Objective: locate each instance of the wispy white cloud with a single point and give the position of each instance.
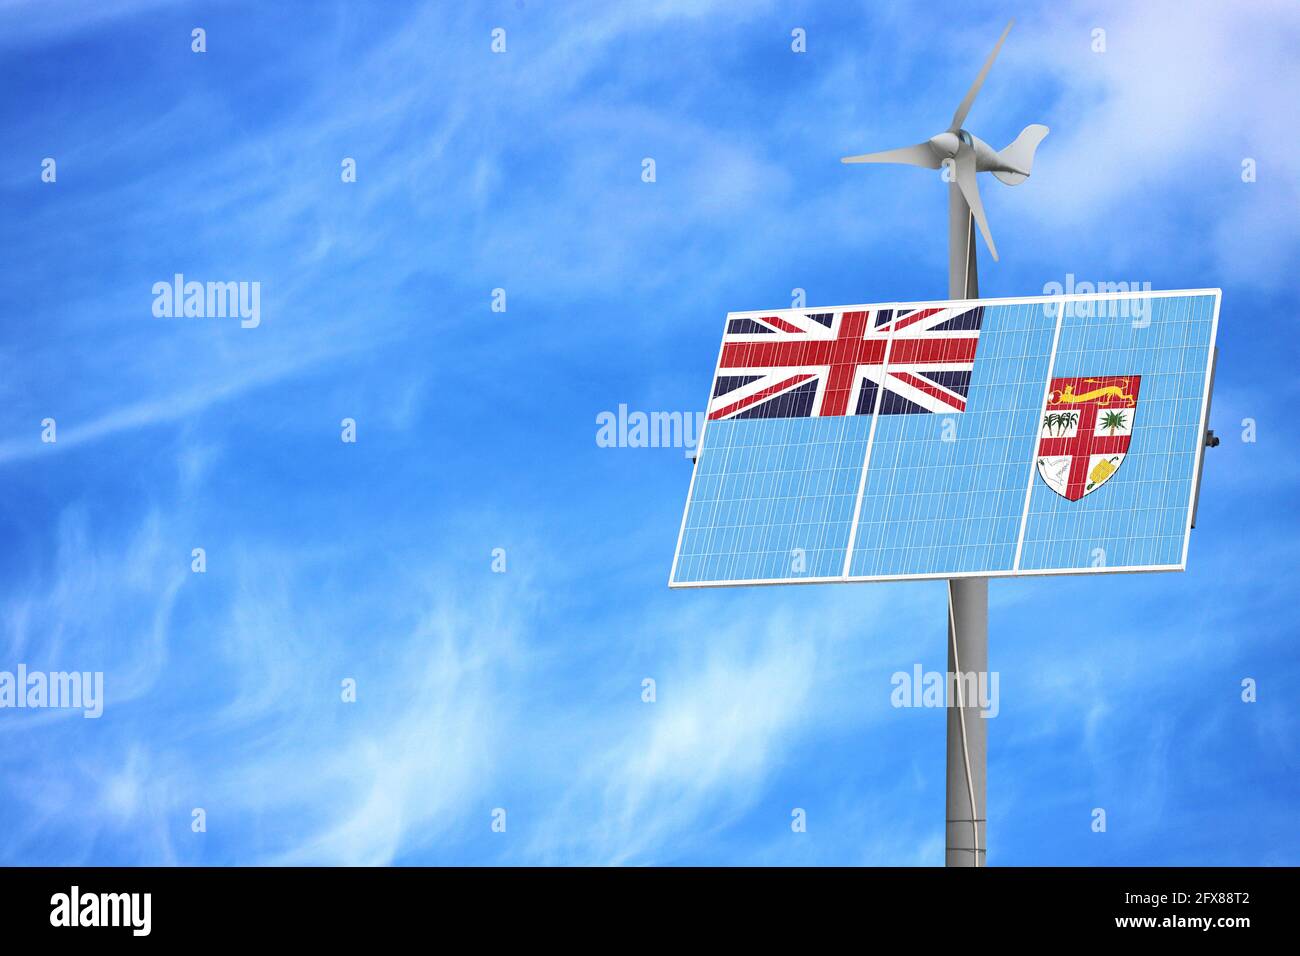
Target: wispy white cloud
(698, 757)
(262, 739)
(417, 755)
(23, 22)
(1179, 98)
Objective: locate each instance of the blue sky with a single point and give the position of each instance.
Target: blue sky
(476, 431)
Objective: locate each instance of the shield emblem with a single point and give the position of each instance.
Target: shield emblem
(1085, 432)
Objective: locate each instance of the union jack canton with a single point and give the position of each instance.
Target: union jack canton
(800, 364)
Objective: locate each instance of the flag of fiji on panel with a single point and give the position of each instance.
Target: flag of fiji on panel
(911, 361)
(1006, 436)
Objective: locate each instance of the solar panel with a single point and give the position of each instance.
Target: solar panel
(986, 437)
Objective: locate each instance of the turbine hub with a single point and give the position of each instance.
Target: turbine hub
(945, 145)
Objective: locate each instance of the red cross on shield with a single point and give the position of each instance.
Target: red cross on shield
(1085, 432)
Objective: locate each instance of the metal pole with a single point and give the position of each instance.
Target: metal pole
(968, 620)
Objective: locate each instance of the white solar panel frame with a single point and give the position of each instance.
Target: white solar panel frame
(1045, 300)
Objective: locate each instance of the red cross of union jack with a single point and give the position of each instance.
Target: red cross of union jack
(799, 364)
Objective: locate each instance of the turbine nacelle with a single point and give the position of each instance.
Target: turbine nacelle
(987, 159)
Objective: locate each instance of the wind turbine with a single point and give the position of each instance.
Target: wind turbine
(968, 155)
(966, 836)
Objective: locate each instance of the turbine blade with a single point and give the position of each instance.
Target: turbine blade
(960, 116)
(966, 182)
(919, 155)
